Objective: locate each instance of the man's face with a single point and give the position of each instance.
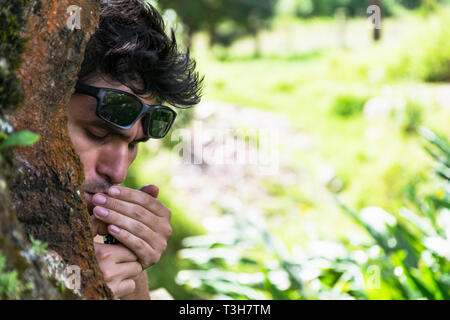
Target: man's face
(105, 151)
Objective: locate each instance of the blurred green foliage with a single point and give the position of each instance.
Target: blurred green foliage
(39, 247)
(21, 138)
(348, 105)
(406, 257)
(223, 20)
(412, 117)
(432, 61)
(310, 8)
(10, 286)
(302, 73)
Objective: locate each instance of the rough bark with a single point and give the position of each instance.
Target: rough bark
(15, 249)
(32, 281)
(46, 188)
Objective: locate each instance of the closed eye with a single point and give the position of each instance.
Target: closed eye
(96, 137)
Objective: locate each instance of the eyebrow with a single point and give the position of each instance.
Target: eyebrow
(116, 131)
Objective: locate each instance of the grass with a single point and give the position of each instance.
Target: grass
(322, 88)
(404, 257)
(306, 87)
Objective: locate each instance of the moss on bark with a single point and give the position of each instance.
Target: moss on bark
(39, 60)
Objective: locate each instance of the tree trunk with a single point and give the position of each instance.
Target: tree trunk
(45, 183)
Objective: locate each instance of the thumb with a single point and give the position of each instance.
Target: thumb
(150, 189)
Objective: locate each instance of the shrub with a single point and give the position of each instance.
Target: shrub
(348, 105)
(405, 257)
(430, 62)
(10, 286)
(413, 117)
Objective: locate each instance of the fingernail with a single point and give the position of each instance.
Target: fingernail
(99, 198)
(114, 191)
(100, 211)
(114, 229)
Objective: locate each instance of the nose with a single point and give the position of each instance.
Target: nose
(113, 164)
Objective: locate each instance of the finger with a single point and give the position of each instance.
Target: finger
(130, 269)
(147, 256)
(122, 271)
(151, 189)
(123, 288)
(127, 195)
(137, 228)
(116, 209)
(120, 253)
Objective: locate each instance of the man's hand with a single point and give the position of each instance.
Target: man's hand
(137, 220)
(119, 266)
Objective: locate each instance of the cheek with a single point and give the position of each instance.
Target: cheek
(84, 149)
(88, 159)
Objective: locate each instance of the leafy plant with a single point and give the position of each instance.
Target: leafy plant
(412, 117)
(348, 105)
(39, 247)
(431, 63)
(10, 286)
(406, 256)
(232, 265)
(415, 242)
(21, 138)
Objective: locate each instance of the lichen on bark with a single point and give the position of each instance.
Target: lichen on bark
(28, 275)
(39, 61)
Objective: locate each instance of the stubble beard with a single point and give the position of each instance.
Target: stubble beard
(92, 187)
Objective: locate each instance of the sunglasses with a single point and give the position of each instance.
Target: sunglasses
(122, 109)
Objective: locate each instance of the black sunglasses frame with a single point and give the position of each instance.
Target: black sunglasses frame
(100, 92)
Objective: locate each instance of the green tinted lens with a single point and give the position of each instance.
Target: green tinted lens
(159, 122)
(120, 108)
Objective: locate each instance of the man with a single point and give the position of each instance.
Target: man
(131, 67)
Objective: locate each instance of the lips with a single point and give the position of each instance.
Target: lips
(88, 195)
(92, 193)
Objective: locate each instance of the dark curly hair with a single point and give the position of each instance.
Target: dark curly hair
(131, 46)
